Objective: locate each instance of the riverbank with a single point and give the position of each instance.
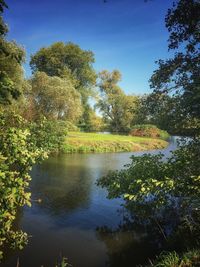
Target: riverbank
(78, 142)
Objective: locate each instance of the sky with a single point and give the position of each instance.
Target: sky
(128, 35)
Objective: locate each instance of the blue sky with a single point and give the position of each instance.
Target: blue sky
(128, 35)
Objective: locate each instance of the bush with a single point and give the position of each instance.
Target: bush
(70, 127)
(22, 144)
(49, 135)
(148, 130)
(166, 191)
(18, 152)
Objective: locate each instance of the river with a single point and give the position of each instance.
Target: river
(70, 219)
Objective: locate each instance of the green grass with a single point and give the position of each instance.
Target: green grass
(92, 142)
(172, 259)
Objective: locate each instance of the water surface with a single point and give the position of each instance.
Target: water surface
(75, 219)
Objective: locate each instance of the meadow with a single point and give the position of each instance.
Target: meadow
(97, 142)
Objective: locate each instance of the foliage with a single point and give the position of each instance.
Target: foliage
(90, 122)
(172, 259)
(71, 63)
(63, 263)
(148, 130)
(3, 27)
(18, 152)
(153, 187)
(70, 127)
(179, 76)
(163, 111)
(67, 61)
(22, 144)
(54, 98)
(117, 108)
(174, 103)
(49, 135)
(96, 123)
(11, 71)
(93, 142)
(7, 89)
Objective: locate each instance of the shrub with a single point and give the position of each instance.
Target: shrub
(49, 135)
(18, 152)
(148, 130)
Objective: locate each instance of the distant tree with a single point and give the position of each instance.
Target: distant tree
(164, 111)
(67, 60)
(118, 109)
(55, 98)
(90, 121)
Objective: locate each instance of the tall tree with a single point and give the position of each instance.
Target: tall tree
(180, 75)
(67, 61)
(11, 58)
(3, 27)
(55, 98)
(118, 109)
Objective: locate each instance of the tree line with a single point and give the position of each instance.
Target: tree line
(64, 83)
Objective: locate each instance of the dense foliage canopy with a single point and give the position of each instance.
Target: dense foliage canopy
(180, 75)
(67, 61)
(55, 98)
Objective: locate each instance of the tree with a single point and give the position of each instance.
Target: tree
(55, 98)
(180, 75)
(3, 27)
(163, 110)
(67, 61)
(11, 58)
(90, 121)
(117, 108)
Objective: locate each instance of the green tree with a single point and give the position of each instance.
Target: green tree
(55, 98)
(90, 121)
(118, 109)
(174, 103)
(162, 110)
(180, 75)
(11, 58)
(3, 27)
(67, 61)
(11, 72)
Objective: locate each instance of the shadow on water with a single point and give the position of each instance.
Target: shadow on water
(76, 220)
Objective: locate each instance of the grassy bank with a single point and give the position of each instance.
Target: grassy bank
(93, 142)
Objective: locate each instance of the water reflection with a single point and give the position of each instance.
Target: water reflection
(127, 248)
(73, 210)
(62, 188)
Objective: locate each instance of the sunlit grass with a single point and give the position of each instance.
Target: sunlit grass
(96, 142)
(172, 259)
